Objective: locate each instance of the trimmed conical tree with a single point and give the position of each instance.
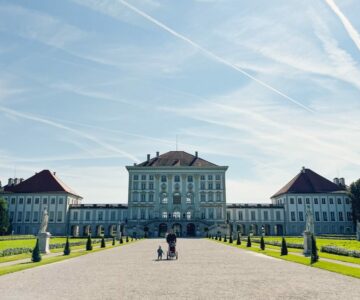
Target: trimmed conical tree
(127, 239)
(314, 250)
(248, 242)
(67, 247)
(225, 240)
(113, 242)
(284, 249)
(121, 241)
(36, 255)
(89, 246)
(238, 241)
(103, 244)
(230, 239)
(262, 243)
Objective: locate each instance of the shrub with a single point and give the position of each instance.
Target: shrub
(238, 241)
(338, 251)
(262, 243)
(230, 239)
(103, 244)
(127, 239)
(36, 256)
(248, 244)
(113, 241)
(67, 247)
(314, 250)
(15, 251)
(121, 240)
(225, 238)
(89, 246)
(284, 250)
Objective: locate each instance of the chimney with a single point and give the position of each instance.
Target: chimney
(303, 170)
(148, 157)
(342, 181)
(16, 181)
(54, 173)
(157, 153)
(336, 181)
(196, 154)
(10, 182)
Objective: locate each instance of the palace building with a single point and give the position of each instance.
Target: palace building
(180, 191)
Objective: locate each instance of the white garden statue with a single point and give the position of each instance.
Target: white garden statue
(43, 235)
(44, 222)
(309, 221)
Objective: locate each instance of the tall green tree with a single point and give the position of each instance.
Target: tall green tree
(4, 217)
(354, 194)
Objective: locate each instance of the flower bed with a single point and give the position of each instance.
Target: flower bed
(340, 251)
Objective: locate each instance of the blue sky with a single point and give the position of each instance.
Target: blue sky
(265, 87)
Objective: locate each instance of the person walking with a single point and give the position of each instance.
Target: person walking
(160, 253)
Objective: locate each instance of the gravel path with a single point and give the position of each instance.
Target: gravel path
(205, 270)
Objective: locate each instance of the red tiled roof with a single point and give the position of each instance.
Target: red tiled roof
(176, 159)
(307, 182)
(41, 182)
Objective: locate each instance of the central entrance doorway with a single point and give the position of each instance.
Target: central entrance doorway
(177, 229)
(190, 229)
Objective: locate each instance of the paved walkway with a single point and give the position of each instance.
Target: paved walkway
(205, 269)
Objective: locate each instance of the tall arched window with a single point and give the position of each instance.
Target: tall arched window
(188, 215)
(176, 215)
(164, 215)
(176, 198)
(189, 198)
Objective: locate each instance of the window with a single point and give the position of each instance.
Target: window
(347, 200)
(188, 198)
(339, 200)
(202, 177)
(211, 197)
(37, 200)
(135, 185)
(210, 177)
(164, 215)
(301, 216)
(59, 216)
(151, 177)
(240, 215)
(143, 177)
(331, 200)
(317, 216)
(316, 201)
(21, 200)
(61, 201)
(27, 216)
(75, 216)
(51, 216)
(332, 216)
(188, 215)
(143, 197)
(177, 178)
(176, 198)
(202, 185)
(218, 196)
(87, 216)
(190, 179)
(11, 216)
(142, 214)
(218, 186)
(163, 178)
(325, 218)
(292, 201)
(266, 215)
(100, 216)
(28, 201)
(202, 197)
(307, 200)
(13, 201)
(349, 216)
(151, 185)
(136, 177)
(52, 200)
(19, 216)
(211, 213)
(292, 216)
(176, 215)
(164, 200)
(210, 186)
(143, 185)
(217, 177)
(151, 197)
(113, 215)
(135, 197)
(278, 216)
(299, 201)
(202, 214)
(323, 201)
(253, 216)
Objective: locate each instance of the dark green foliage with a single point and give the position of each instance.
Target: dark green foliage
(113, 242)
(103, 244)
(36, 256)
(314, 250)
(5, 225)
(284, 249)
(230, 239)
(354, 194)
(238, 241)
(262, 243)
(89, 246)
(225, 240)
(121, 241)
(67, 247)
(248, 244)
(127, 239)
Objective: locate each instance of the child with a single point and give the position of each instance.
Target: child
(160, 253)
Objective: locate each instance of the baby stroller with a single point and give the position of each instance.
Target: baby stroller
(172, 253)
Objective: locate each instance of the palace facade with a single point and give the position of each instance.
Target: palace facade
(183, 192)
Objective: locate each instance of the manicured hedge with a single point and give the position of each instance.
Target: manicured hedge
(14, 251)
(16, 237)
(278, 243)
(340, 251)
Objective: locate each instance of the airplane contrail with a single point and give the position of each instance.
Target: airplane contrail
(212, 55)
(354, 35)
(72, 130)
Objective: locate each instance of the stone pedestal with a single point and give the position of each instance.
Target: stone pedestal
(307, 243)
(44, 242)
